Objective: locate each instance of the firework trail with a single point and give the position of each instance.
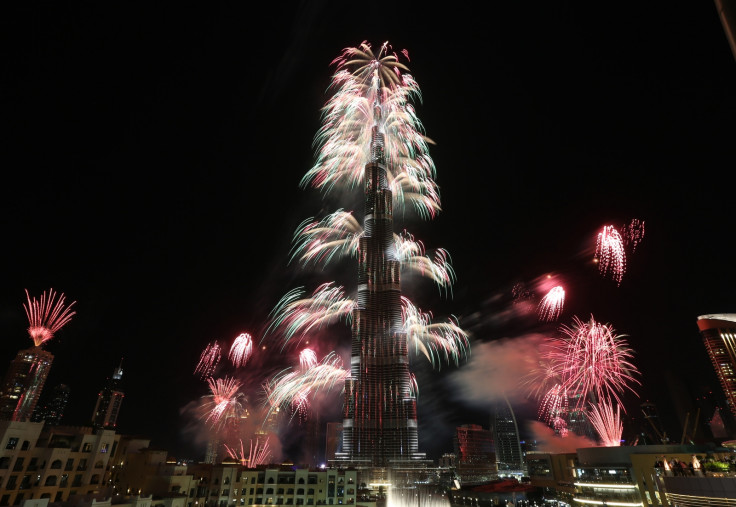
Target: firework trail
(551, 305)
(208, 360)
(338, 235)
(607, 423)
(47, 316)
(225, 400)
(307, 358)
(611, 254)
(259, 454)
(293, 388)
(331, 238)
(297, 316)
(374, 91)
(633, 233)
(241, 349)
(554, 404)
(595, 361)
(437, 341)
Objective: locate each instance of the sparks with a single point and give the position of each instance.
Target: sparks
(307, 358)
(551, 305)
(607, 423)
(633, 233)
(47, 316)
(259, 453)
(241, 349)
(225, 400)
(208, 360)
(611, 254)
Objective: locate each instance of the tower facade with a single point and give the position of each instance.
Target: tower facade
(475, 454)
(380, 410)
(109, 400)
(506, 437)
(719, 337)
(23, 384)
(51, 410)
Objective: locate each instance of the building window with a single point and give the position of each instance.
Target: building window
(64, 480)
(12, 443)
(25, 446)
(98, 464)
(19, 498)
(50, 480)
(11, 482)
(87, 447)
(95, 479)
(4, 463)
(69, 464)
(4, 500)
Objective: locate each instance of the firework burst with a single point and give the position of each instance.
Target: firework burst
(443, 341)
(307, 358)
(297, 316)
(331, 238)
(374, 91)
(259, 453)
(225, 400)
(208, 360)
(611, 254)
(633, 233)
(47, 316)
(607, 423)
(241, 349)
(551, 305)
(413, 258)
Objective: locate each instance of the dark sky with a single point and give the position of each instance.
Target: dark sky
(152, 157)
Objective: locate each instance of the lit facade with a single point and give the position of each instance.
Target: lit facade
(506, 438)
(51, 411)
(109, 399)
(719, 337)
(23, 384)
(475, 454)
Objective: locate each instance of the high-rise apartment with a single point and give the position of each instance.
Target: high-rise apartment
(52, 406)
(506, 438)
(23, 383)
(719, 337)
(109, 400)
(475, 454)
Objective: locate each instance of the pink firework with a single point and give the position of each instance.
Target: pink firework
(259, 454)
(551, 305)
(633, 233)
(307, 358)
(224, 402)
(594, 362)
(47, 316)
(241, 349)
(208, 360)
(607, 423)
(611, 254)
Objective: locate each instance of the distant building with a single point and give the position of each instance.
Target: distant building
(51, 410)
(109, 400)
(333, 440)
(719, 337)
(23, 383)
(475, 454)
(506, 439)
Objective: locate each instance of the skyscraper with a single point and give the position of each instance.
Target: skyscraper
(475, 452)
(23, 383)
(506, 437)
(719, 337)
(109, 400)
(51, 411)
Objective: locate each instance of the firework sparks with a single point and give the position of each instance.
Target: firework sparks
(633, 233)
(611, 254)
(47, 316)
(374, 91)
(297, 316)
(437, 341)
(241, 349)
(293, 388)
(607, 423)
(208, 360)
(596, 361)
(412, 255)
(307, 358)
(331, 238)
(259, 454)
(551, 305)
(224, 402)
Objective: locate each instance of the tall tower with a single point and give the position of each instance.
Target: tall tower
(719, 337)
(109, 400)
(23, 383)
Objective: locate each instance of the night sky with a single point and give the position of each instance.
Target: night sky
(152, 157)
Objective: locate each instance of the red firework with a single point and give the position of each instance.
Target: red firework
(611, 254)
(551, 305)
(241, 349)
(208, 360)
(47, 316)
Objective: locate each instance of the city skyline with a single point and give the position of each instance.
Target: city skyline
(158, 157)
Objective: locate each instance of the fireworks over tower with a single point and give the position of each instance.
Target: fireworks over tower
(371, 140)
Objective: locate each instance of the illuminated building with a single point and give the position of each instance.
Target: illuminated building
(333, 440)
(380, 408)
(475, 454)
(719, 337)
(506, 439)
(52, 410)
(23, 384)
(109, 400)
